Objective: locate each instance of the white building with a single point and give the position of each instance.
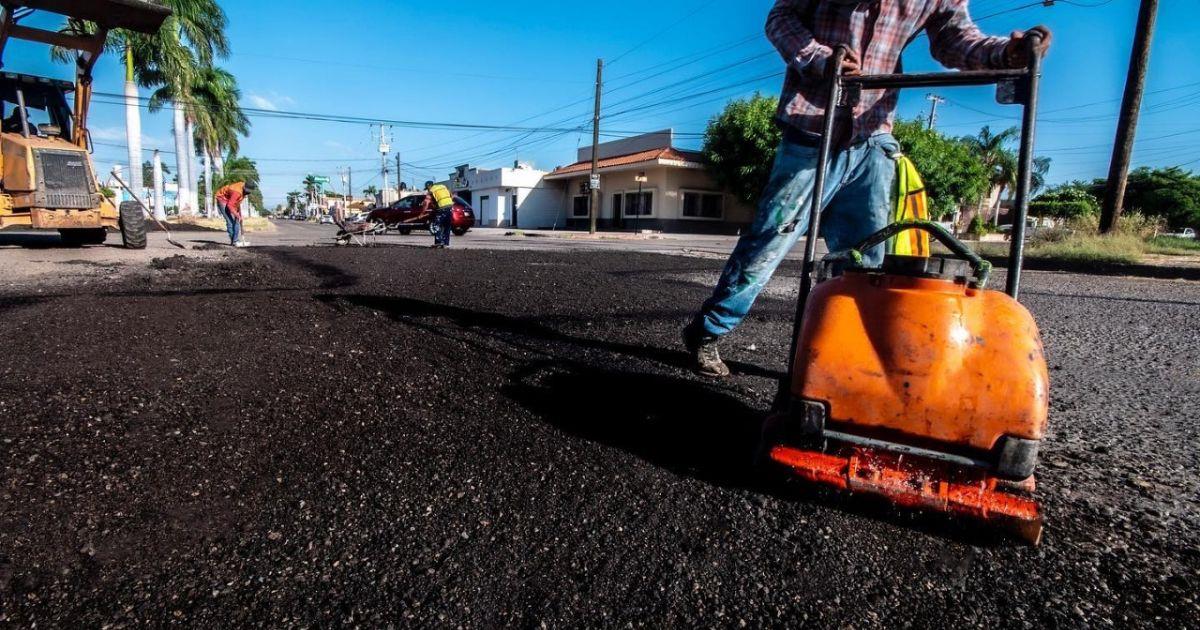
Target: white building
(515, 197)
(647, 183)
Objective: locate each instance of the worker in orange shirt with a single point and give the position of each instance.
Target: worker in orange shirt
(229, 201)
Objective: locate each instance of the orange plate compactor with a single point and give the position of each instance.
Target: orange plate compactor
(913, 381)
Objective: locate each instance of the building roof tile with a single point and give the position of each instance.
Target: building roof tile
(669, 154)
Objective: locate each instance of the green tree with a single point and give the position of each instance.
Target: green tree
(237, 169)
(370, 191)
(148, 173)
(1041, 167)
(740, 144)
(293, 200)
(311, 188)
(1000, 162)
(1066, 201)
(952, 173)
(1170, 193)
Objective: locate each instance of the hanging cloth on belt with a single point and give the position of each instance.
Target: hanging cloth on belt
(911, 205)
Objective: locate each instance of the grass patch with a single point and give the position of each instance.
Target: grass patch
(249, 224)
(1173, 246)
(1117, 249)
(1079, 249)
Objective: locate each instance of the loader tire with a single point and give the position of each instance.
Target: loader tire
(133, 225)
(84, 236)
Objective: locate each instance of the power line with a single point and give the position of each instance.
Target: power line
(663, 30)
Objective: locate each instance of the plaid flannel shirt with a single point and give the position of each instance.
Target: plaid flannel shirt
(805, 32)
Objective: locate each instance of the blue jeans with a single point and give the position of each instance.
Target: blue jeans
(858, 200)
(232, 225)
(443, 225)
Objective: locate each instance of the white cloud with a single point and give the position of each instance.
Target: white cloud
(272, 102)
(116, 135)
(108, 134)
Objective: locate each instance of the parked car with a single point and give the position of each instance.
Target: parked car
(406, 215)
(326, 219)
(1031, 228)
(1187, 233)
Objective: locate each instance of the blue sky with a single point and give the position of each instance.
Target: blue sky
(503, 62)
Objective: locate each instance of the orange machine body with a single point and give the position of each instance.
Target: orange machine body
(930, 362)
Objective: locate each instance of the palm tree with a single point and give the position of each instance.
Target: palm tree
(311, 187)
(370, 191)
(1041, 166)
(216, 115)
(293, 198)
(1000, 162)
(188, 40)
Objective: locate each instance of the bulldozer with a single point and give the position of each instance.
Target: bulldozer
(47, 177)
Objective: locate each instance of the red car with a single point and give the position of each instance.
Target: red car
(406, 215)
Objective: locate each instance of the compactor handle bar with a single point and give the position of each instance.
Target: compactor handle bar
(981, 267)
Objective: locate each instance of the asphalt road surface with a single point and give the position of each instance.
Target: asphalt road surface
(481, 438)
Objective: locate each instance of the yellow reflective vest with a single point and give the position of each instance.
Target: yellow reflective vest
(441, 196)
(911, 205)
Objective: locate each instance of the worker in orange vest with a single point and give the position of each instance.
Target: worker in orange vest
(229, 202)
(439, 199)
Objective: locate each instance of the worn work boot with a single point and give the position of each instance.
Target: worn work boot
(706, 359)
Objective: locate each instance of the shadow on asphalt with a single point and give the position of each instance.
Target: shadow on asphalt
(686, 426)
(34, 240)
(680, 424)
(331, 277)
(409, 310)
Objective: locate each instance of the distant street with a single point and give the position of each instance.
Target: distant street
(39, 256)
(484, 437)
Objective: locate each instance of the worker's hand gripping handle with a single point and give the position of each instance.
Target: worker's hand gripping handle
(981, 267)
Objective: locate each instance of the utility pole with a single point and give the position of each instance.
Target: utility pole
(594, 181)
(384, 147)
(399, 179)
(934, 100)
(1135, 84)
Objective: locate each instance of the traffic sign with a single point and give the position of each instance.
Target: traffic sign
(594, 182)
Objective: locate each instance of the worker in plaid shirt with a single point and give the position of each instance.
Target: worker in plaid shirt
(862, 167)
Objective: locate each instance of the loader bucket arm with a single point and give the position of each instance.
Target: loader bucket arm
(142, 16)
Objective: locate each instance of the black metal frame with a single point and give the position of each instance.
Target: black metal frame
(1014, 87)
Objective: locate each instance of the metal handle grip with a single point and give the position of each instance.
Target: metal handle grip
(981, 267)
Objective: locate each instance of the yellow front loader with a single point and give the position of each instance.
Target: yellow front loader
(47, 178)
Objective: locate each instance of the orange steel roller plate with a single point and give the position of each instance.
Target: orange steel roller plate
(924, 485)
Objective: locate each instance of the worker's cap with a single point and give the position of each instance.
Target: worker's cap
(251, 186)
(429, 184)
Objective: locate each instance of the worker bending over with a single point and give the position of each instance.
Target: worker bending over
(862, 166)
(441, 202)
(229, 202)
